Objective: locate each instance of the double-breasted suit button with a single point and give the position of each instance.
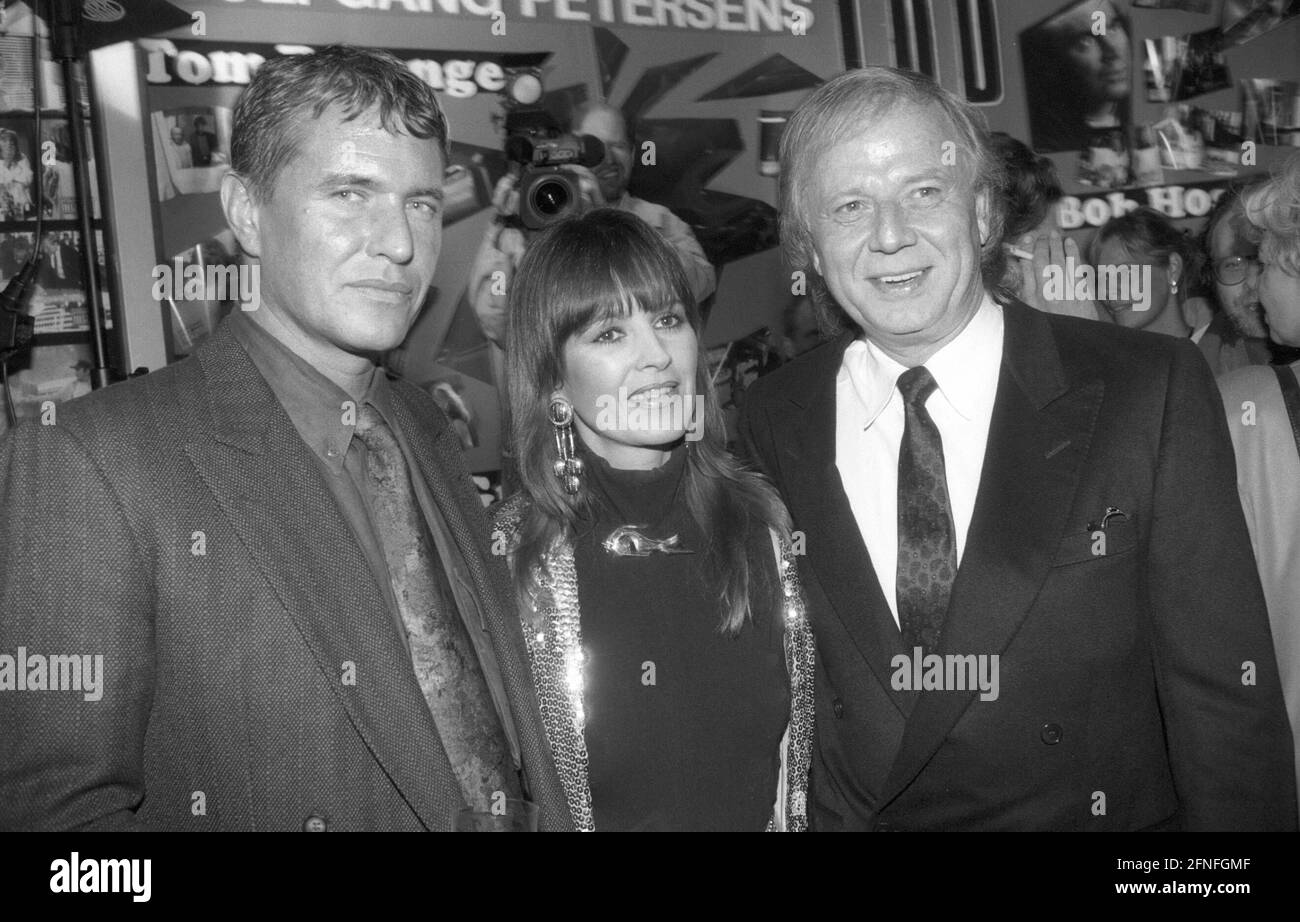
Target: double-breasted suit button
(1050, 734)
(837, 706)
(315, 823)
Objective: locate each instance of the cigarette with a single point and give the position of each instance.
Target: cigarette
(1016, 251)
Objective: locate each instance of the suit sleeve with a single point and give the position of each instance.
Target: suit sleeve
(753, 436)
(72, 582)
(1227, 732)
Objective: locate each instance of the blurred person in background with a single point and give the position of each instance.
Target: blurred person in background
(1263, 410)
(1032, 237)
(1229, 246)
(1166, 258)
(605, 185)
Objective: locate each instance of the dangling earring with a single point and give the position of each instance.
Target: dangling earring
(568, 467)
(1173, 286)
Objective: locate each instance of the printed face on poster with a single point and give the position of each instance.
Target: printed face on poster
(18, 194)
(58, 300)
(1077, 65)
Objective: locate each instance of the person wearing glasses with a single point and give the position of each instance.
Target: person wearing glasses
(1236, 336)
(1263, 409)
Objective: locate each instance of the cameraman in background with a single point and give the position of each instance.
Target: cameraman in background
(605, 185)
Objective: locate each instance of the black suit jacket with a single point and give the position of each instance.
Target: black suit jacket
(177, 525)
(1122, 703)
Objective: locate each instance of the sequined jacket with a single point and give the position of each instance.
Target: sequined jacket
(555, 655)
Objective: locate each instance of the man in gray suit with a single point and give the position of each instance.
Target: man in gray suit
(253, 590)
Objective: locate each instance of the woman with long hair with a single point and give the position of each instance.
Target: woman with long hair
(654, 573)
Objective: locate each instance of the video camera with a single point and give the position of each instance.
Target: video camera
(547, 192)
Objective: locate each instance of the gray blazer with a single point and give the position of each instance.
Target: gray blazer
(177, 526)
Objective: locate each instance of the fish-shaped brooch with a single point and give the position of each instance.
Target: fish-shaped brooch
(627, 541)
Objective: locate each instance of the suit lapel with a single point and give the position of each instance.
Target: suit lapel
(836, 553)
(1039, 435)
(268, 485)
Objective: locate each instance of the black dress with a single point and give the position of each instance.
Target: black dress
(683, 722)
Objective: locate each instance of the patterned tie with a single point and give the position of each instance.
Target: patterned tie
(442, 653)
(927, 555)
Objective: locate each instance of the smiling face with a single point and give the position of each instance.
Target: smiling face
(649, 356)
(349, 238)
(1128, 312)
(897, 232)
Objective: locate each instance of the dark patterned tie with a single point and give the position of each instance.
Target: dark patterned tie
(442, 653)
(927, 551)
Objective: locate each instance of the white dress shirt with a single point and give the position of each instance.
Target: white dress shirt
(869, 429)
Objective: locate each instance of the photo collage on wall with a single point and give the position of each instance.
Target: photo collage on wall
(1077, 69)
(1077, 64)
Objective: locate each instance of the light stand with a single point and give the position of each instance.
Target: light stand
(65, 47)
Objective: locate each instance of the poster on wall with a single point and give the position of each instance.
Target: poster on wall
(58, 300)
(694, 93)
(1076, 64)
(19, 194)
(1179, 68)
(50, 376)
(1243, 20)
(191, 149)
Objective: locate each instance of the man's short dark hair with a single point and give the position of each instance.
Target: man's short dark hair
(289, 90)
(1032, 186)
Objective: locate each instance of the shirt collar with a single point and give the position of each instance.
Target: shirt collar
(965, 369)
(317, 407)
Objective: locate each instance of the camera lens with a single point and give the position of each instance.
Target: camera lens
(551, 198)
